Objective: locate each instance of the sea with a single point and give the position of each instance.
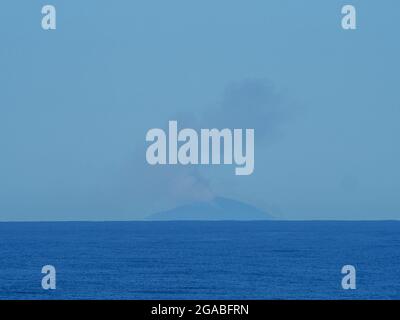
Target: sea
(200, 260)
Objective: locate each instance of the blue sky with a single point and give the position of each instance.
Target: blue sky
(76, 103)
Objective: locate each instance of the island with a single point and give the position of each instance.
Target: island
(217, 209)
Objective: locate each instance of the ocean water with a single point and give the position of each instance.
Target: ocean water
(200, 260)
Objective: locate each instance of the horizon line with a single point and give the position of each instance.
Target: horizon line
(198, 220)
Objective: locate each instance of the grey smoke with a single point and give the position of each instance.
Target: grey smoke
(253, 103)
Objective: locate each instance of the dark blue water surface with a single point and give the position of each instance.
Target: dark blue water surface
(200, 260)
